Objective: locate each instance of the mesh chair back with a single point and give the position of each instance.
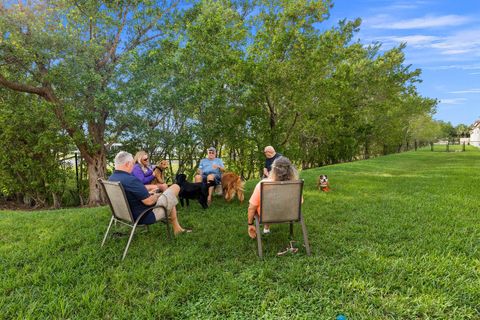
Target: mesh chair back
(118, 200)
(280, 201)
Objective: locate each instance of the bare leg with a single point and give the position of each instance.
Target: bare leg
(177, 228)
(173, 217)
(162, 186)
(198, 178)
(210, 177)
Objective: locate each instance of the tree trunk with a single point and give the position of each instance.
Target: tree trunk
(57, 200)
(96, 167)
(366, 152)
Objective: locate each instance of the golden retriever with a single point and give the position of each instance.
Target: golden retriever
(232, 184)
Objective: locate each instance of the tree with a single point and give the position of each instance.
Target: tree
(70, 54)
(31, 147)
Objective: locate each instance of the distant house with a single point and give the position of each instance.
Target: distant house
(475, 134)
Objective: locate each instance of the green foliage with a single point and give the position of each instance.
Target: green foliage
(174, 78)
(31, 147)
(396, 238)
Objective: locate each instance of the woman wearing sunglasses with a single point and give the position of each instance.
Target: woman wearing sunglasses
(144, 173)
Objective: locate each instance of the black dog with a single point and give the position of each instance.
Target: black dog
(190, 190)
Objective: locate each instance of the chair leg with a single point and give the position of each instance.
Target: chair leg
(108, 229)
(129, 240)
(291, 230)
(259, 237)
(305, 235)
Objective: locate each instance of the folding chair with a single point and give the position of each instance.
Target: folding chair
(281, 202)
(121, 211)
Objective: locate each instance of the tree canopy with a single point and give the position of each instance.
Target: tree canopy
(175, 77)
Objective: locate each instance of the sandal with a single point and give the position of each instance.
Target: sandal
(186, 230)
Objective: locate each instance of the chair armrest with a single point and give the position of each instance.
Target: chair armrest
(140, 216)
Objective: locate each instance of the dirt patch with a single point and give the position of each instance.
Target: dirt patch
(12, 205)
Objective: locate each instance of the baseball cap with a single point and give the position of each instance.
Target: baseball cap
(212, 149)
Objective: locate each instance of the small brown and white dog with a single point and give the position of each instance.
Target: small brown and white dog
(232, 184)
(322, 183)
(160, 172)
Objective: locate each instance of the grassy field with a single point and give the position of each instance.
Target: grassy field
(397, 238)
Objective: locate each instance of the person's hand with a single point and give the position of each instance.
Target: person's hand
(252, 232)
(214, 166)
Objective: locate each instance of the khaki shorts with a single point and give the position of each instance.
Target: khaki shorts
(168, 200)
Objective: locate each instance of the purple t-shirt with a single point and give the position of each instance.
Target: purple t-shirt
(146, 177)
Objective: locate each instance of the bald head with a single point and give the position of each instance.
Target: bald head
(269, 149)
(269, 152)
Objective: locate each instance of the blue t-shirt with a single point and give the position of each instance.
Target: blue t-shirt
(206, 165)
(135, 192)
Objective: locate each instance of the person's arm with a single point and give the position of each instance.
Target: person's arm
(221, 166)
(152, 199)
(200, 168)
(254, 203)
(252, 210)
(138, 189)
(140, 175)
(265, 172)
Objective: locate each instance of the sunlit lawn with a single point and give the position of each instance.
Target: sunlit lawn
(397, 238)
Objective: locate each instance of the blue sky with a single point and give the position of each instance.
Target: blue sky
(443, 39)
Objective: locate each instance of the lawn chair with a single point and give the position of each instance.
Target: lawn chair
(121, 210)
(280, 202)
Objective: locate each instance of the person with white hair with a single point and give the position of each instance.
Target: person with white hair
(140, 199)
(282, 170)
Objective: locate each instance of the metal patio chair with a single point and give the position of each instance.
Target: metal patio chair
(121, 211)
(281, 202)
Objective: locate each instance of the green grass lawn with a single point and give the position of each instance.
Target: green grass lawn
(397, 238)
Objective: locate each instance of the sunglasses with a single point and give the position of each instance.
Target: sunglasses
(211, 151)
(144, 159)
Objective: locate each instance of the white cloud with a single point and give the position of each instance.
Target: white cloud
(428, 21)
(453, 101)
(475, 90)
(464, 41)
(419, 41)
(401, 6)
(456, 66)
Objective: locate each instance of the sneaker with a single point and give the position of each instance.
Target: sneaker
(266, 231)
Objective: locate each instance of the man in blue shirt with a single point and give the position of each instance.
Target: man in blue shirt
(210, 171)
(140, 199)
